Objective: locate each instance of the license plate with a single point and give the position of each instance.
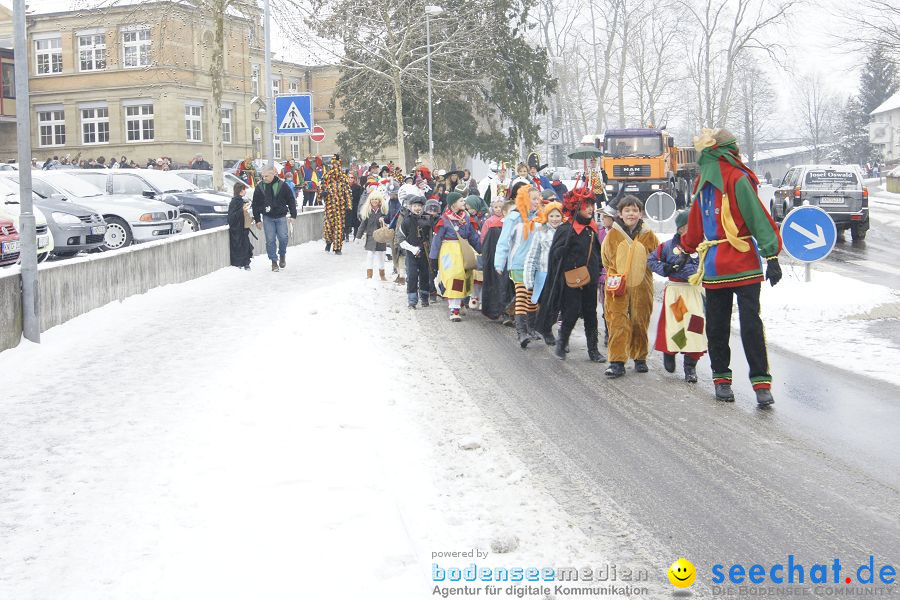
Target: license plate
(43, 240)
(98, 230)
(631, 188)
(831, 200)
(10, 247)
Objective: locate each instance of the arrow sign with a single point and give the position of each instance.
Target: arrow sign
(293, 114)
(808, 233)
(818, 238)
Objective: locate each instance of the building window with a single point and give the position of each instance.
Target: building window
(92, 52)
(254, 80)
(52, 127)
(139, 123)
(293, 87)
(295, 146)
(275, 88)
(9, 80)
(95, 125)
(48, 54)
(193, 123)
(276, 147)
(136, 48)
(226, 125)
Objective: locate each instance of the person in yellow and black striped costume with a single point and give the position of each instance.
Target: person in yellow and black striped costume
(336, 187)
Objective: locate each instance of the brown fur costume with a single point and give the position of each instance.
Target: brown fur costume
(628, 316)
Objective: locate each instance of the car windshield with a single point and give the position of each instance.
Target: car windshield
(70, 185)
(638, 145)
(830, 179)
(167, 183)
(9, 188)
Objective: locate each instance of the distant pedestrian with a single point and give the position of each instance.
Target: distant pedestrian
(239, 223)
(272, 202)
(356, 190)
(199, 163)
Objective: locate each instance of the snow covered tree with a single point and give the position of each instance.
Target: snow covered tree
(853, 145)
(878, 81)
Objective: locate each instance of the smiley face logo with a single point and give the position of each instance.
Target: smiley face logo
(682, 573)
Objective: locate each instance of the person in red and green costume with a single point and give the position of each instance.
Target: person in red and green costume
(733, 234)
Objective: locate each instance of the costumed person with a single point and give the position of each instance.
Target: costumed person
(607, 218)
(456, 262)
(629, 287)
(246, 172)
(548, 221)
(497, 290)
(312, 178)
(414, 235)
(573, 270)
(291, 175)
(495, 219)
(336, 188)
(540, 182)
(512, 248)
(239, 223)
(356, 192)
(372, 215)
(730, 230)
(395, 217)
(476, 208)
(675, 333)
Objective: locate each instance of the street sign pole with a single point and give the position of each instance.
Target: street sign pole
(269, 130)
(31, 326)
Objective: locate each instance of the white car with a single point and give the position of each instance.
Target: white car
(204, 180)
(10, 209)
(129, 219)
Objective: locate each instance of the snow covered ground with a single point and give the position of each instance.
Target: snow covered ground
(258, 435)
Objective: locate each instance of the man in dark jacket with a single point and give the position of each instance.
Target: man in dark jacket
(272, 201)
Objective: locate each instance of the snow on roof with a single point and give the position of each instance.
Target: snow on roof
(778, 152)
(891, 103)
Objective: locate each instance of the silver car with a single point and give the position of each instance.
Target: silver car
(836, 189)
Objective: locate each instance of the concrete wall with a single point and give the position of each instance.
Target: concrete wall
(73, 287)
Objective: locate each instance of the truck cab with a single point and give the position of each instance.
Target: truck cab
(642, 161)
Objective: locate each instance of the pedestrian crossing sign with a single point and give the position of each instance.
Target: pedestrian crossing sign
(293, 114)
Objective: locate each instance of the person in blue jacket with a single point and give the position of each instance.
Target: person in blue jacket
(454, 279)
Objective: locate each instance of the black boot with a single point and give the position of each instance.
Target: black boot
(424, 297)
(522, 331)
(561, 343)
(530, 320)
(764, 397)
(327, 246)
(640, 366)
(669, 363)
(594, 353)
(690, 369)
(724, 393)
(615, 369)
(548, 338)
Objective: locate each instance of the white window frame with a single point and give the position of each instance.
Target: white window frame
(193, 122)
(275, 87)
(254, 80)
(52, 53)
(96, 51)
(276, 147)
(141, 119)
(295, 147)
(56, 123)
(143, 59)
(293, 87)
(94, 122)
(227, 124)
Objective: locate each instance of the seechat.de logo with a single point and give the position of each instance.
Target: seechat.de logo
(682, 573)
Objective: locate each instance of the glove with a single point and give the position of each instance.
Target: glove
(773, 271)
(668, 269)
(680, 259)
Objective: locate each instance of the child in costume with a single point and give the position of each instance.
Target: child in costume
(681, 328)
(372, 217)
(414, 234)
(625, 251)
(548, 220)
(454, 280)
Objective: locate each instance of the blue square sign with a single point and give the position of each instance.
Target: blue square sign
(293, 114)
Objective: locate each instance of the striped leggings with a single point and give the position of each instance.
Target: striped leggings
(523, 300)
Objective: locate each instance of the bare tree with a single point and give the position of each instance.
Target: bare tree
(598, 45)
(817, 112)
(755, 105)
(654, 66)
(722, 32)
(871, 23)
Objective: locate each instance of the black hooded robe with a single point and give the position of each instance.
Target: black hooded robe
(497, 290)
(238, 236)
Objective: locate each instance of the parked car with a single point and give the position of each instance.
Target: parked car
(74, 227)
(199, 209)
(9, 242)
(10, 209)
(129, 219)
(836, 189)
(204, 181)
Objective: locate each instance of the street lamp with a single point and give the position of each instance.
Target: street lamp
(430, 11)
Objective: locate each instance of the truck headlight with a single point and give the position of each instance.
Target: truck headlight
(220, 208)
(65, 218)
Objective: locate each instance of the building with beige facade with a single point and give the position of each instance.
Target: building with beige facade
(134, 81)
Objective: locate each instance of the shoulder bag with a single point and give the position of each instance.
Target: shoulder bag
(580, 276)
(615, 282)
(470, 259)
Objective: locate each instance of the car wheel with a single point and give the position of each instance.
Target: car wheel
(118, 234)
(191, 222)
(42, 257)
(857, 233)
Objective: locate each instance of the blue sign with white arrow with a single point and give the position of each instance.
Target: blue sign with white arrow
(808, 233)
(293, 114)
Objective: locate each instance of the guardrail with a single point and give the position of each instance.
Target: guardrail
(73, 287)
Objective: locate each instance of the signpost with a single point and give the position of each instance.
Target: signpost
(660, 207)
(809, 235)
(293, 114)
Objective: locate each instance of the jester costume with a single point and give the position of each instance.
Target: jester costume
(336, 187)
(311, 176)
(291, 175)
(246, 172)
(730, 229)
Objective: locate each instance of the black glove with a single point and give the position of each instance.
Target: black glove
(680, 259)
(667, 269)
(773, 271)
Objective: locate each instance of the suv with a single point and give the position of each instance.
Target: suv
(836, 189)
